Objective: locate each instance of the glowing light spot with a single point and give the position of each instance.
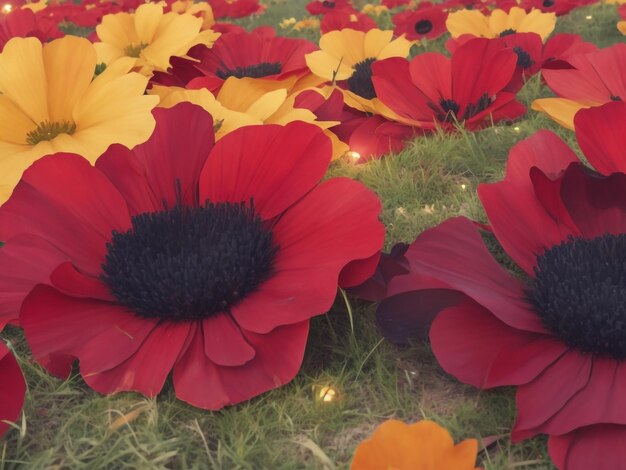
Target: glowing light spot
(327, 394)
(356, 156)
(7, 8)
(463, 187)
(588, 17)
(517, 129)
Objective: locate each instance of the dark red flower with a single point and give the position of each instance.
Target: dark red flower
(342, 19)
(12, 388)
(235, 8)
(395, 3)
(23, 24)
(561, 47)
(565, 323)
(597, 77)
(622, 11)
(183, 255)
(319, 7)
(432, 90)
(559, 7)
(427, 21)
(258, 54)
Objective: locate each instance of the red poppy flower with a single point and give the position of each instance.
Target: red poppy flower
(12, 388)
(597, 77)
(235, 8)
(394, 3)
(23, 24)
(182, 255)
(622, 11)
(319, 7)
(342, 19)
(432, 90)
(559, 7)
(258, 54)
(427, 21)
(565, 226)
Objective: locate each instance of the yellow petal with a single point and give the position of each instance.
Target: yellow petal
(146, 20)
(70, 63)
(346, 44)
(468, 22)
(374, 41)
(23, 77)
(118, 30)
(327, 66)
(14, 124)
(560, 110)
(537, 22)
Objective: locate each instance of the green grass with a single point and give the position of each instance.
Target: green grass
(66, 425)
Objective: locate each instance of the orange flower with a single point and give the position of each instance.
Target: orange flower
(420, 446)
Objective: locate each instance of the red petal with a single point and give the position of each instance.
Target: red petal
(477, 348)
(201, 383)
(601, 136)
(56, 325)
(545, 397)
(66, 201)
(274, 165)
(454, 253)
(334, 224)
(224, 343)
(519, 220)
(599, 447)
(67, 279)
(25, 261)
(12, 388)
(146, 370)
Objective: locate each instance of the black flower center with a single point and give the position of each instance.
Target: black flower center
(615, 98)
(328, 4)
(423, 27)
(548, 3)
(579, 292)
(188, 263)
(523, 58)
(360, 82)
(507, 32)
(448, 109)
(263, 69)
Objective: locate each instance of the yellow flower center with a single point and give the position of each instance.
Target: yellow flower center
(135, 50)
(48, 130)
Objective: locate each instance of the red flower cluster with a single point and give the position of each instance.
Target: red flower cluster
(564, 226)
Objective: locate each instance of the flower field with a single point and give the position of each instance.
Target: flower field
(313, 234)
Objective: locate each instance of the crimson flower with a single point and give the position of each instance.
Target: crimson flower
(427, 21)
(319, 7)
(235, 8)
(432, 90)
(559, 334)
(24, 24)
(258, 54)
(559, 7)
(183, 255)
(12, 388)
(342, 19)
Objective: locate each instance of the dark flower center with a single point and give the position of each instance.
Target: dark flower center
(548, 3)
(579, 292)
(523, 58)
(263, 69)
(360, 82)
(328, 4)
(507, 32)
(49, 130)
(188, 263)
(448, 110)
(616, 98)
(423, 27)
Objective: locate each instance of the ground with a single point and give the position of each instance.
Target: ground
(66, 425)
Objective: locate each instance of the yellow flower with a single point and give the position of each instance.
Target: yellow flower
(561, 110)
(247, 101)
(621, 27)
(50, 102)
(287, 22)
(201, 9)
(307, 23)
(500, 23)
(420, 446)
(150, 37)
(377, 10)
(347, 56)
